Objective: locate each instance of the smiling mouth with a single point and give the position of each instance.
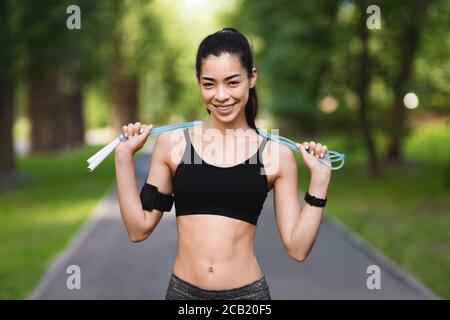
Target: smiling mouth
(225, 108)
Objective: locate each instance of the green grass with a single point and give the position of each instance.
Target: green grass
(40, 216)
(406, 213)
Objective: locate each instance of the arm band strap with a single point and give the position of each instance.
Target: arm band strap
(151, 199)
(314, 201)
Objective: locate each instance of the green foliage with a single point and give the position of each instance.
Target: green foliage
(312, 49)
(297, 41)
(44, 41)
(96, 107)
(43, 213)
(6, 41)
(430, 144)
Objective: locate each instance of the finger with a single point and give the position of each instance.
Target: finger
(302, 148)
(143, 136)
(306, 146)
(146, 131)
(130, 130)
(124, 130)
(324, 151)
(136, 128)
(318, 150)
(312, 146)
(143, 129)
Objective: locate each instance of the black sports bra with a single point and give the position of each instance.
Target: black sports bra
(237, 192)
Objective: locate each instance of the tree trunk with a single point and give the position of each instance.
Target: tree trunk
(409, 45)
(46, 115)
(72, 100)
(362, 92)
(331, 10)
(125, 98)
(55, 112)
(74, 119)
(7, 163)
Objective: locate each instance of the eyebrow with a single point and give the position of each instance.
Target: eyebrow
(227, 78)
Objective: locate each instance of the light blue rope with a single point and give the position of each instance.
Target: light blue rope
(331, 155)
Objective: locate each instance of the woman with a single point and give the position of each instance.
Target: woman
(217, 206)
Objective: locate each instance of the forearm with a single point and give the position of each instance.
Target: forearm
(131, 209)
(307, 225)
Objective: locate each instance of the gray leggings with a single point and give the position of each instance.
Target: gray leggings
(181, 290)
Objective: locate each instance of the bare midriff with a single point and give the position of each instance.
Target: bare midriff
(215, 252)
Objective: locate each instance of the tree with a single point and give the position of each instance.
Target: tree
(55, 64)
(297, 38)
(135, 38)
(7, 164)
(45, 54)
(410, 18)
(362, 90)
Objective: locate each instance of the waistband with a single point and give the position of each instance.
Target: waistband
(181, 289)
(257, 284)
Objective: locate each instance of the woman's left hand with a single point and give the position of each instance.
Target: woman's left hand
(311, 157)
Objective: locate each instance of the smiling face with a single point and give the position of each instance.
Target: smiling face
(224, 86)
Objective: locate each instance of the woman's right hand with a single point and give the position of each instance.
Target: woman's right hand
(137, 135)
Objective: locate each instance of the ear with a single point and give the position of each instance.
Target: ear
(253, 78)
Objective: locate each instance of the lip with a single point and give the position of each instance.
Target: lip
(225, 112)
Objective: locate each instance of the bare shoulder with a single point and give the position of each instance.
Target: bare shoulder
(286, 154)
(167, 140)
(170, 145)
(281, 159)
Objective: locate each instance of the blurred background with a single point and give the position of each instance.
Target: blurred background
(379, 95)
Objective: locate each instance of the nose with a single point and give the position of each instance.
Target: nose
(221, 94)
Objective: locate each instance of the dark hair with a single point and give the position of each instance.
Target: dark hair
(230, 40)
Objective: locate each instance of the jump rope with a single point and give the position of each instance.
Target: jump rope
(96, 159)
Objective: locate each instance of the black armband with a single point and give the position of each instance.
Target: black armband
(151, 198)
(314, 201)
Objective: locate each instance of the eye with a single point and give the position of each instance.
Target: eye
(207, 85)
(234, 83)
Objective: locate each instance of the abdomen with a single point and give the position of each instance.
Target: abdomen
(215, 252)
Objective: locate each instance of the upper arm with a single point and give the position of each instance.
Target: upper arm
(159, 175)
(159, 172)
(286, 196)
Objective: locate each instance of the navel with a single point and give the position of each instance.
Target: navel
(211, 269)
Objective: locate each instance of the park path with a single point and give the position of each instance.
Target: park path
(114, 268)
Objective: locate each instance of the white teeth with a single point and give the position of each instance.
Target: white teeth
(225, 108)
